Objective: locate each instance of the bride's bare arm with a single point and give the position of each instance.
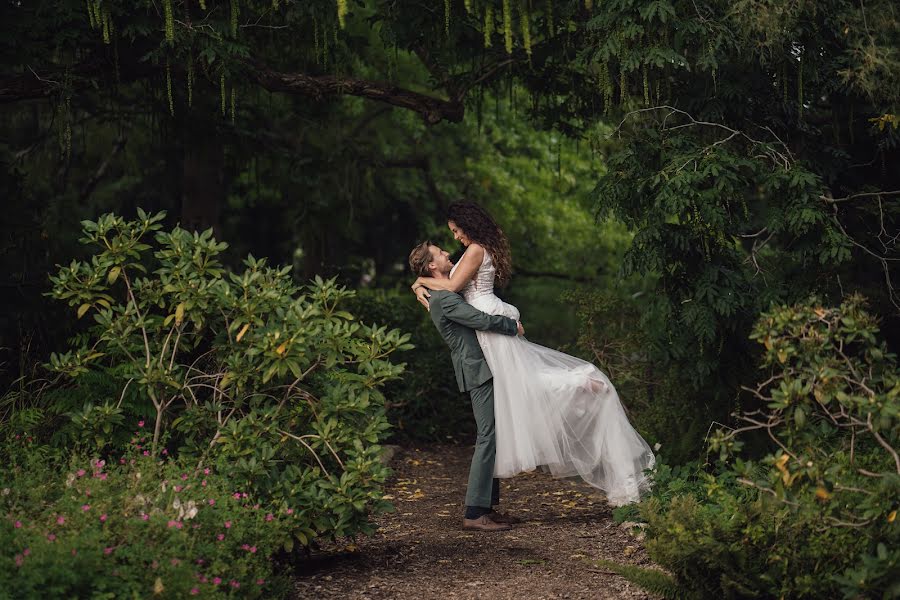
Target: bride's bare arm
(465, 271)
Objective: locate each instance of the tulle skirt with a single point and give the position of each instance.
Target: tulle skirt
(561, 413)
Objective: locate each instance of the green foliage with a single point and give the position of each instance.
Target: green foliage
(652, 580)
(281, 389)
(616, 329)
(816, 515)
(144, 528)
(425, 404)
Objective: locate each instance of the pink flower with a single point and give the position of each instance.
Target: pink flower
(175, 524)
(206, 471)
(81, 472)
(122, 461)
(194, 591)
(260, 581)
(217, 580)
(252, 549)
(178, 488)
(26, 551)
(220, 537)
(103, 518)
(290, 511)
(140, 423)
(52, 537)
(237, 495)
(165, 451)
(108, 550)
(60, 520)
(85, 507)
(203, 483)
(174, 562)
(184, 476)
(243, 494)
(18, 525)
(235, 584)
(145, 517)
(212, 502)
(20, 560)
(101, 476)
(146, 453)
(227, 524)
(245, 546)
(203, 579)
(269, 517)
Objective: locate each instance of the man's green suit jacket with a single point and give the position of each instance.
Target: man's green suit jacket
(456, 321)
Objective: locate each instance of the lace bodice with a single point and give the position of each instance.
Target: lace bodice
(483, 282)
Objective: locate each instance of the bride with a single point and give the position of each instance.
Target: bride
(552, 410)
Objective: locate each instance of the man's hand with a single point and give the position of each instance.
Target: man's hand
(422, 296)
(519, 328)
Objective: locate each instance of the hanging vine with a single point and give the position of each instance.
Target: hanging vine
(170, 21)
(447, 18)
(507, 26)
(235, 12)
(190, 82)
(106, 37)
(94, 20)
(525, 24)
(169, 88)
(342, 13)
(550, 29)
(222, 92)
(646, 81)
(316, 38)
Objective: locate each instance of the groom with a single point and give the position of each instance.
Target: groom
(456, 321)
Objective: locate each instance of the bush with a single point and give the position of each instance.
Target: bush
(137, 529)
(275, 385)
(614, 335)
(815, 516)
(425, 404)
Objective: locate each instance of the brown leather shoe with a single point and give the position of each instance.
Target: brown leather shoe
(485, 523)
(499, 517)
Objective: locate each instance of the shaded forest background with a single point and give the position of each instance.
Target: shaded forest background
(671, 174)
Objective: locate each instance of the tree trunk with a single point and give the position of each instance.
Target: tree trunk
(203, 189)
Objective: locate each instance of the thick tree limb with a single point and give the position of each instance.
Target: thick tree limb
(33, 85)
(434, 110)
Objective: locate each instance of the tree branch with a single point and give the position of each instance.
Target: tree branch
(433, 110)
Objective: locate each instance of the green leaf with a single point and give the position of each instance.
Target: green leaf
(83, 309)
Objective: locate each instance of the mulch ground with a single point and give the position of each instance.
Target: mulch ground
(421, 551)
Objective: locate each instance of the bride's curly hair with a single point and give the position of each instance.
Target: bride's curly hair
(482, 229)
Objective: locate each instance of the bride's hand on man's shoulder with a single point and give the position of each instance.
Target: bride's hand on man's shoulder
(422, 295)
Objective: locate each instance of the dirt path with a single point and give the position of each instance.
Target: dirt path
(421, 551)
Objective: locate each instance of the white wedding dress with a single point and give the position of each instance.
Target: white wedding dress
(556, 411)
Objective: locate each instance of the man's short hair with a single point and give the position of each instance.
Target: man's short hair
(419, 259)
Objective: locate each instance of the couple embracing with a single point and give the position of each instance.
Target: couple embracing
(533, 406)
